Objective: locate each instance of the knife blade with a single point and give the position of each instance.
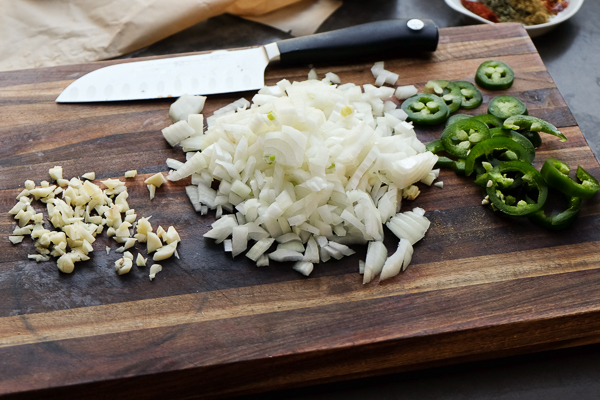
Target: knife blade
(227, 71)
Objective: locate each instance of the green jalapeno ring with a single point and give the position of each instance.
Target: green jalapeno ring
(448, 91)
(489, 146)
(458, 166)
(436, 86)
(425, 109)
(494, 75)
(459, 137)
(514, 135)
(490, 120)
(456, 117)
(561, 220)
(508, 204)
(435, 146)
(471, 96)
(556, 174)
(526, 122)
(533, 137)
(506, 106)
(452, 96)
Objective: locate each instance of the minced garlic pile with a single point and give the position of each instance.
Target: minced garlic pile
(79, 210)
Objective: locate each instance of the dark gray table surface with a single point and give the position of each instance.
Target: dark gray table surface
(571, 53)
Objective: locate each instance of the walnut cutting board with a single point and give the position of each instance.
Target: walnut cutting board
(479, 285)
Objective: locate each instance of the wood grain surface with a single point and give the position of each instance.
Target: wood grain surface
(208, 326)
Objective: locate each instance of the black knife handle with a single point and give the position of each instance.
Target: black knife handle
(362, 41)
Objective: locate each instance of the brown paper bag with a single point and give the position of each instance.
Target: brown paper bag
(36, 33)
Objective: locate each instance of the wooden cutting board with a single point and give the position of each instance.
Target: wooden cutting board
(479, 285)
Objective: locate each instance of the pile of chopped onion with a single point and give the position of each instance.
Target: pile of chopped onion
(304, 171)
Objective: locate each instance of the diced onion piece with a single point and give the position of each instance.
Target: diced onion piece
(398, 261)
(186, 105)
(174, 164)
(239, 240)
(330, 77)
(132, 173)
(304, 267)
(259, 248)
(409, 225)
(404, 92)
(196, 122)
(342, 248)
(311, 254)
(295, 245)
(177, 132)
(376, 256)
(377, 68)
(193, 143)
(285, 255)
(288, 237)
(263, 261)
(196, 163)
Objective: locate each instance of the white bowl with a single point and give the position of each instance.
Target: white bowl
(533, 30)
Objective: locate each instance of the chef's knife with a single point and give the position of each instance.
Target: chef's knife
(226, 71)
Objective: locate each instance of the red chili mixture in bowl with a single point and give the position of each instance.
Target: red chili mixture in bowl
(527, 12)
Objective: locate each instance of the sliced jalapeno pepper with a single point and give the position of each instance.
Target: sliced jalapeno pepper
(452, 96)
(447, 90)
(487, 148)
(462, 135)
(426, 109)
(526, 122)
(533, 137)
(510, 203)
(456, 117)
(435, 146)
(457, 166)
(490, 120)
(506, 106)
(494, 75)
(561, 220)
(471, 96)
(514, 135)
(436, 86)
(556, 174)
(482, 170)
